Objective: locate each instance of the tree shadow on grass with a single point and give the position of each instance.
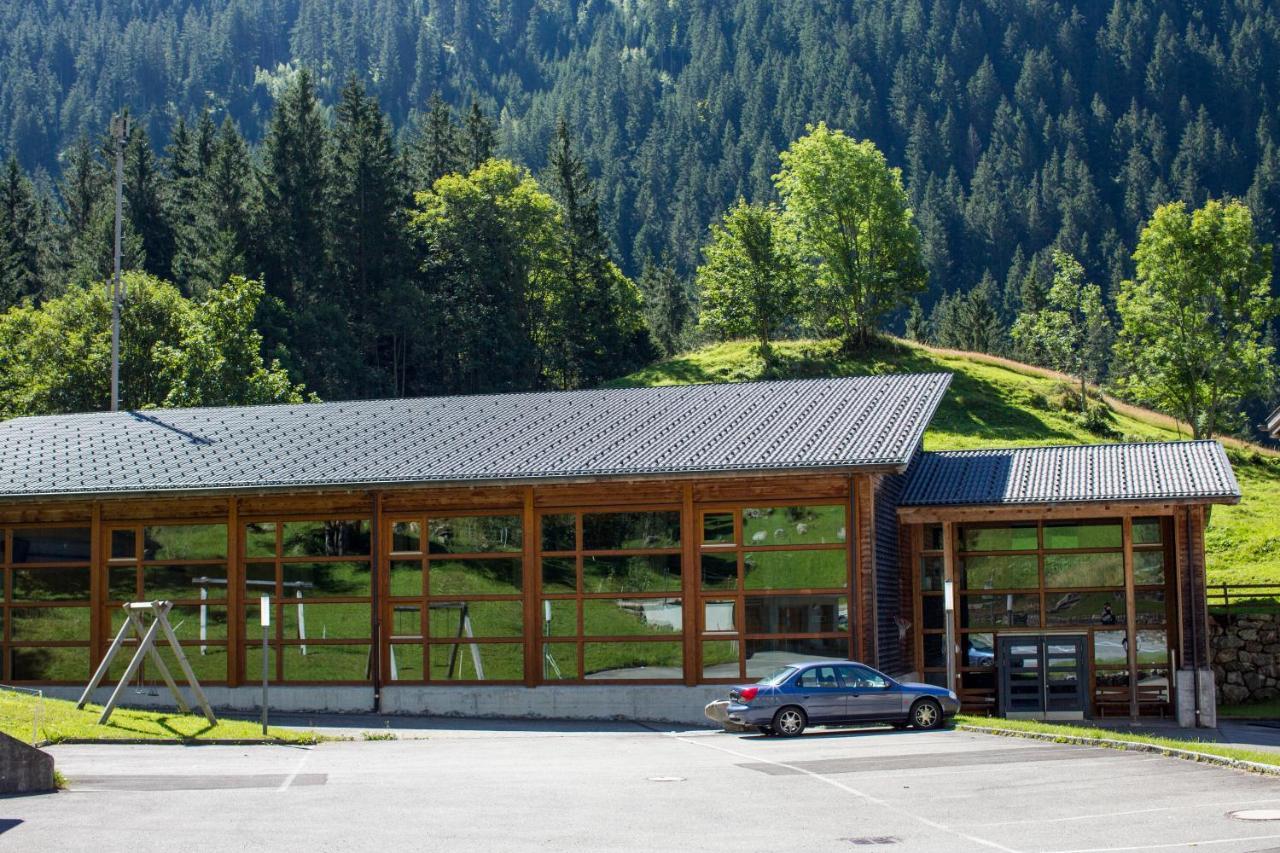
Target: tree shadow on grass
(677, 371)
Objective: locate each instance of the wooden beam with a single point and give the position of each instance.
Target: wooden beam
(924, 515)
(690, 539)
(532, 584)
(949, 574)
(235, 593)
(1131, 615)
(97, 585)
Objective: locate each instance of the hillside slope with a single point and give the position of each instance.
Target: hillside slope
(999, 403)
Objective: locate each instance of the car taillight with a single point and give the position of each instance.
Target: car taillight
(749, 693)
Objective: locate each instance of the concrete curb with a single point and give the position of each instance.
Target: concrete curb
(138, 741)
(1131, 746)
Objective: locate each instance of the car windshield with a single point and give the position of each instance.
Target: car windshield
(777, 676)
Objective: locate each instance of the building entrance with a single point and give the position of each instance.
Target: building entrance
(1043, 676)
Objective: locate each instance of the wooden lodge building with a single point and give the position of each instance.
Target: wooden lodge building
(610, 552)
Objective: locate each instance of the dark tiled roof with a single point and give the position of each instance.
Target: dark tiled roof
(1100, 472)
(763, 426)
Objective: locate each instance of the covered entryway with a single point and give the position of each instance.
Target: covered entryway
(1043, 676)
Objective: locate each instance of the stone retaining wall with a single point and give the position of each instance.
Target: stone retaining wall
(1246, 658)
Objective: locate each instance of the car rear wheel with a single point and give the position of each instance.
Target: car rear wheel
(789, 721)
(926, 714)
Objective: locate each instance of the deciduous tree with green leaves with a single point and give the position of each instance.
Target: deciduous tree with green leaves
(1193, 335)
(1072, 328)
(174, 351)
(851, 216)
(751, 276)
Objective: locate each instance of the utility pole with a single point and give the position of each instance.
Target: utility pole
(119, 133)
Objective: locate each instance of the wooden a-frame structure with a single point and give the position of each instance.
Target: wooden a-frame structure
(147, 648)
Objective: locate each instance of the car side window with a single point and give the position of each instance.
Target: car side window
(859, 677)
(818, 678)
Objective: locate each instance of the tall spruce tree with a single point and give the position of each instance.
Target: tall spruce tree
(478, 138)
(435, 150)
(366, 246)
(598, 317)
(145, 190)
(21, 233)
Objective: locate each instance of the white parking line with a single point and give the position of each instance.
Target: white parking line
(855, 792)
(288, 780)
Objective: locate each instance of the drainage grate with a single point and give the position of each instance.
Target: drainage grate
(1255, 814)
(873, 840)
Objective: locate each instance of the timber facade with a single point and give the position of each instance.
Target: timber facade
(788, 521)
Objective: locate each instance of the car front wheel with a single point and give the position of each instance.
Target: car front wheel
(789, 722)
(926, 714)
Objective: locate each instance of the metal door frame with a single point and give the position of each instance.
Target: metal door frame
(1042, 640)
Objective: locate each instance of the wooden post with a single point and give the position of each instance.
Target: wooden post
(532, 584)
(375, 599)
(1131, 615)
(949, 576)
(235, 593)
(690, 539)
(853, 538)
(97, 584)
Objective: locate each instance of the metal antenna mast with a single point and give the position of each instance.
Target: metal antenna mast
(119, 133)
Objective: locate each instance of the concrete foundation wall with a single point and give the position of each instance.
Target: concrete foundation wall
(653, 703)
(24, 769)
(656, 703)
(1185, 699)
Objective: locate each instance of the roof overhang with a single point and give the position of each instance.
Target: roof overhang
(977, 513)
(1273, 424)
(321, 488)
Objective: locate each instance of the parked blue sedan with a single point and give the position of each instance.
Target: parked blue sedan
(827, 693)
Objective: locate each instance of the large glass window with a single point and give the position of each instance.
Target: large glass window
(319, 574)
(45, 604)
(456, 605)
(930, 570)
(775, 581)
(1064, 575)
(612, 609)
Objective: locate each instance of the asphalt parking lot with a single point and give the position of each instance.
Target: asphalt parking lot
(523, 786)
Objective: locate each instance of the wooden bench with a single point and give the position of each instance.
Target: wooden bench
(978, 700)
(1111, 697)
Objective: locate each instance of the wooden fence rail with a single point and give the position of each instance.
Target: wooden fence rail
(1232, 600)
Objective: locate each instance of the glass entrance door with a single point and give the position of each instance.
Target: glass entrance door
(1042, 676)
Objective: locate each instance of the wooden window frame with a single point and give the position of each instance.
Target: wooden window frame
(739, 593)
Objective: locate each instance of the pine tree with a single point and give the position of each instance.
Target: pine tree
(145, 191)
(668, 305)
(598, 323)
(478, 138)
(435, 150)
(917, 324)
(367, 207)
(20, 236)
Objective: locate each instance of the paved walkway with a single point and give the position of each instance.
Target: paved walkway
(484, 785)
(1242, 733)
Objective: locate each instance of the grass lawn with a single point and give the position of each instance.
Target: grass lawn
(1059, 729)
(1269, 710)
(59, 720)
(995, 402)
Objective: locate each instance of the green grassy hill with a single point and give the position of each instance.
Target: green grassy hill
(996, 402)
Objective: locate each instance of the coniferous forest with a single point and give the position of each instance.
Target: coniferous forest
(466, 195)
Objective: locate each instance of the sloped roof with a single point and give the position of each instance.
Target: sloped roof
(1273, 424)
(839, 423)
(1176, 470)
